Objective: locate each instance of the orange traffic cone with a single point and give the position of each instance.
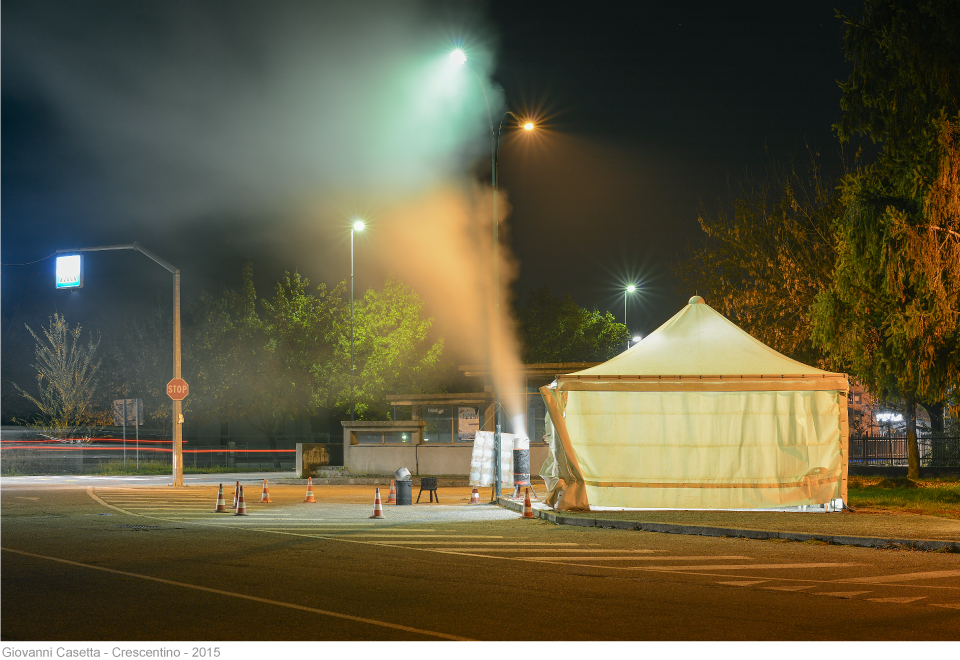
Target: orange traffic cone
(527, 507)
(310, 497)
(475, 496)
(221, 505)
(265, 495)
(377, 506)
(392, 496)
(241, 504)
(236, 494)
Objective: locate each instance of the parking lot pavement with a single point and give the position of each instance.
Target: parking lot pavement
(353, 501)
(196, 503)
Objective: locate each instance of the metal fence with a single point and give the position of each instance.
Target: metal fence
(31, 454)
(891, 450)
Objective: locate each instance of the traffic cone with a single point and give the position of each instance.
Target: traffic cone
(392, 496)
(236, 494)
(265, 495)
(221, 505)
(527, 507)
(309, 497)
(475, 496)
(377, 506)
(241, 504)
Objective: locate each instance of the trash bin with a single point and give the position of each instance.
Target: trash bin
(404, 486)
(404, 492)
(521, 463)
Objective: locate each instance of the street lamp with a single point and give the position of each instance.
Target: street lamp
(630, 289)
(358, 225)
(460, 58)
(177, 456)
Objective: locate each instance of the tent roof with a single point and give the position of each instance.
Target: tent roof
(698, 341)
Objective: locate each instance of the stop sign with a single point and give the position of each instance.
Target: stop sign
(177, 389)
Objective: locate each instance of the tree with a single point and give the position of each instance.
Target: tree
(67, 379)
(555, 329)
(891, 315)
(763, 263)
(906, 72)
(271, 360)
(309, 328)
(140, 364)
(392, 348)
(242, 369)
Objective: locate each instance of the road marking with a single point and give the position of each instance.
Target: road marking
(161, 509)
(899, 599)
(442, 543)
(791, 588)
(195, 513)
(149, 497)
(743, 583)
(340, 530)
(904, 577)
(737, 567)
(221, 592)
(400, 533)
(551, 550)
(140, 504)
(547, 559)
(360, 525)
(840, 594)
(955, 606)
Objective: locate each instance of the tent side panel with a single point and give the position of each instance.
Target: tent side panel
(706, 449)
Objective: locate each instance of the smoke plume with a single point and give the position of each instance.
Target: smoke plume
(262, 128)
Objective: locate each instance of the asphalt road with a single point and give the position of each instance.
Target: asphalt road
(120, 561)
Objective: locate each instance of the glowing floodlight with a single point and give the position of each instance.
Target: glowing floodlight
(631, 289)
(359, 225)
(458, 56)
(528, 126)
(637, 338)
(70, 271)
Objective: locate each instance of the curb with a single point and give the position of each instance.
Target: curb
(668, 528)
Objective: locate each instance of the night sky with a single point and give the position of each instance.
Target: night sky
(217, 132)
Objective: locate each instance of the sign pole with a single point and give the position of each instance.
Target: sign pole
(124, 434)
(177, 403)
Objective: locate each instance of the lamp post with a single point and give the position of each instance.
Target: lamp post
(357, 226)
(630, 289)
(459, 57)
(177, 403)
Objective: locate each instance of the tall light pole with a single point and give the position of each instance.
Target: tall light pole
(177, 403)
(459, 57)
(358, 225)
(630, 289)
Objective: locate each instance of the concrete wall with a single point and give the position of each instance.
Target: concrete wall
(422, 459)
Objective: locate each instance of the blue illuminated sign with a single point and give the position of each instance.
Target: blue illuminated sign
(70, 271)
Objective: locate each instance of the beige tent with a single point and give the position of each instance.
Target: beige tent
(698, 415)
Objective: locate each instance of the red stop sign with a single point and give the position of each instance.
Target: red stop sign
(177, 389)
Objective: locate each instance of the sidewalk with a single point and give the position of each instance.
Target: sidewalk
(846, 528)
